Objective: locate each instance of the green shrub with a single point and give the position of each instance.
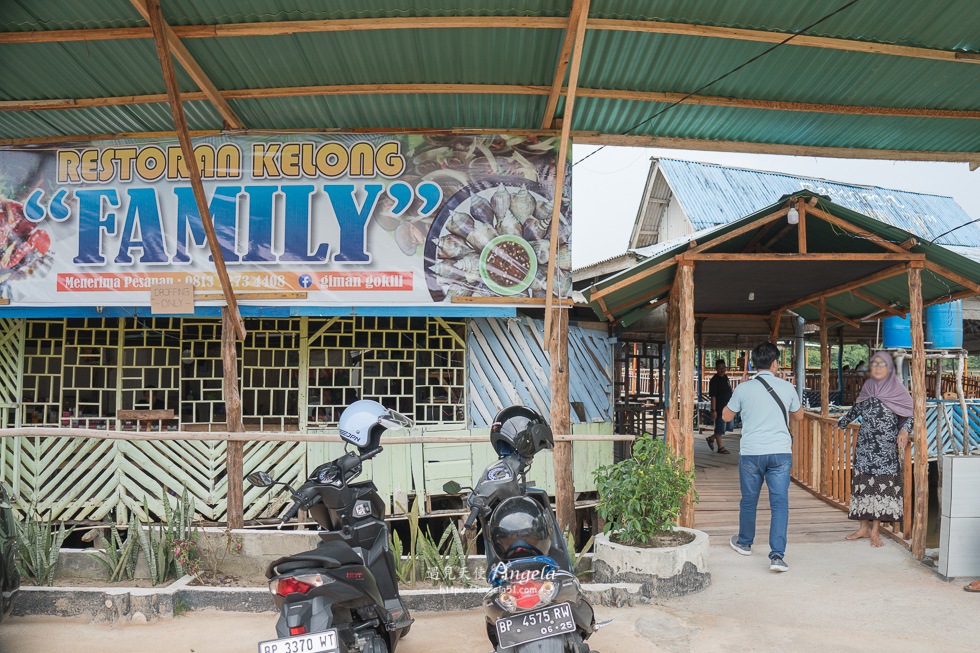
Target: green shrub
(641, 496)
(119, 556)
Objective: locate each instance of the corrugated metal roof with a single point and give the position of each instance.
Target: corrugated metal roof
(611, 60)
(714, 194)
(634, 287)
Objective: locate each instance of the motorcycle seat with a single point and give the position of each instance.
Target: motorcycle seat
(328, 555)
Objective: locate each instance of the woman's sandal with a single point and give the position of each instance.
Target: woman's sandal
(973, 587)
(711, 442)
(723, 450)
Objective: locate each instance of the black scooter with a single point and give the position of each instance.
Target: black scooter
(535, 604)
(343, 595)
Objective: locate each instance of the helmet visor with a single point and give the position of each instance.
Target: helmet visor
(394, 420)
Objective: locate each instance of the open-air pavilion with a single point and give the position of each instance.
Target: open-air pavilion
(824, 263)
(809, 79)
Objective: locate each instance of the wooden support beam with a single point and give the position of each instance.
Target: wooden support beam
(850, 285)
(847, 226)
(530, 301)
(921, 465)
(774, 323)
(824, 363)
(801, 227)
(779, 234)
(561, 422)
(759, 235)
(155, 18)
(659, 302)
(755, 224)
(276, 28)
(952, 298)
(952, 276)
(562, 162)
(836, 316)
(910, 243)
(734, 316)
(562, 67)
(685, 282)
(190, 65)
(235, 458)
(663, 265)
(639, 300)
(891, 310)
(792, 256)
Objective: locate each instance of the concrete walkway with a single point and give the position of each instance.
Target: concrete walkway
(842, 596)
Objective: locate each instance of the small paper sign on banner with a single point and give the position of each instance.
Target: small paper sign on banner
(176, 299)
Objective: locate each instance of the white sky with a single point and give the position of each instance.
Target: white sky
(606, 188)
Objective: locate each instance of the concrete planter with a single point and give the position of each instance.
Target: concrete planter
(661, 573)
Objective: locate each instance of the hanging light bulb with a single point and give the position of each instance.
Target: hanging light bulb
(793, 217)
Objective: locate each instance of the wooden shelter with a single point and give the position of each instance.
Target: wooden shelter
(828, 264)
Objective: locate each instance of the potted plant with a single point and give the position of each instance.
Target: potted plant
(639, 500)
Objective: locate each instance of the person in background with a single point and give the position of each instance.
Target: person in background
(719, 392)
(766, 404)
(885, 409)
(861, 367)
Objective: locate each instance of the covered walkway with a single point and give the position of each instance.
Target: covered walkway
(811, 520)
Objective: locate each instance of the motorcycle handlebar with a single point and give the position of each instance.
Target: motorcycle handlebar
(289, 514)
(468, 524)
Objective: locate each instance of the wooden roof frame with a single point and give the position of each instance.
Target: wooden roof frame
(897, 253)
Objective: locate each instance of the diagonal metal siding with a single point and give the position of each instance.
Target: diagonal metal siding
(507, 365)
(713, 194)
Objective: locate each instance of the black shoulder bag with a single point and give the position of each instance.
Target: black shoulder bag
(778, 401)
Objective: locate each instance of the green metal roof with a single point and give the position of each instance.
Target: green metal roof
(613, 59)
(637, 288)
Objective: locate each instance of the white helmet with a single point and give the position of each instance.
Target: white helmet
(363, 422)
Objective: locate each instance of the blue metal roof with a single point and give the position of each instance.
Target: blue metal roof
(714, 194)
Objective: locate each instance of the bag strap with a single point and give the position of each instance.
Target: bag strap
(779, 401)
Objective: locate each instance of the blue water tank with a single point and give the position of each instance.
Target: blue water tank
(944, 325)
(896, 332)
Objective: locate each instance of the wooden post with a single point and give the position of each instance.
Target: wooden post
(233, 419)
(561, 422)
(801, 228)
(921, 465)
(824, 362)
(774, 336)
(685, 312)
(155, 18)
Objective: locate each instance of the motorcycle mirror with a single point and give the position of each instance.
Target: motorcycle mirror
(260, 479)
(452, 487)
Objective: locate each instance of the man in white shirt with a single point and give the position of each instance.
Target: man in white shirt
(766, 404)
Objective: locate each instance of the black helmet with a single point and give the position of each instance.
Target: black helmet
(520, 429)
(520, 528)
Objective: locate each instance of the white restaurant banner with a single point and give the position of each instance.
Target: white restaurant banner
(347, 219)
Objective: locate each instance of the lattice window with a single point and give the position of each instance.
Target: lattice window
(44, 348)
(90, 372)
(201, 374)
(151, 368)
(270, 375)
(335, 370)
(440, 375)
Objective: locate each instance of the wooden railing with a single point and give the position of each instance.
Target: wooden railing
(822, 455)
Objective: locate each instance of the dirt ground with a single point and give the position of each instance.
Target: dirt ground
(836, 597)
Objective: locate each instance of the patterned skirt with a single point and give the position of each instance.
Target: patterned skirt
(876, 497)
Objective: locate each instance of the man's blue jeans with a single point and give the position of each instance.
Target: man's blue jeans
(774, 469)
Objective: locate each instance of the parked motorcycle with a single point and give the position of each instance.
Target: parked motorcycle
(343, 595)
(535, 604)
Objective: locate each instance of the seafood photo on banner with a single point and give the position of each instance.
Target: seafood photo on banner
(491, 235)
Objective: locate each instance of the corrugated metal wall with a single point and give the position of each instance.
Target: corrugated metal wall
(508, 364)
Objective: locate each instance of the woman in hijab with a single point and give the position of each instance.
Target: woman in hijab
(885, 409)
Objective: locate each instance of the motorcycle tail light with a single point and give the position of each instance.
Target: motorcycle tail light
(294, 584)
(527, 594)
(547, 592)
(507, 602)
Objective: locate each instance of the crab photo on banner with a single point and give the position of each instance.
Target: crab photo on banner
(349, 219)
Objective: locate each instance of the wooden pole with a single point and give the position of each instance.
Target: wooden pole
(155, 18)
(801, 228)
(561, 423)
(566, 129)
(824, 361)
(921, 464)
(233, 420)
(685, 274)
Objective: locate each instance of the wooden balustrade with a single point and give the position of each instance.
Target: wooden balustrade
(822, 457)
